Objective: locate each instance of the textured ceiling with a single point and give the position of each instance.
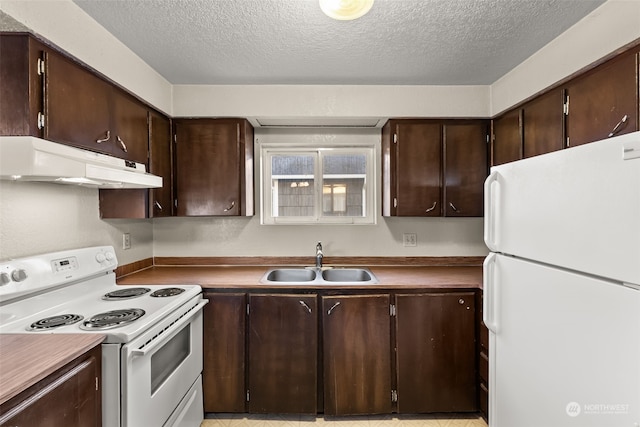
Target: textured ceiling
(399, 42)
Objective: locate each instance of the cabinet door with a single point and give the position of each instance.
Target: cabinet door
(388, 154)
(357, 354)
(507, 138)
(599, 100)
(160, 162)
(76, 106)
(68, 398)
(465, 168)
(435, 341)
(543, 125)
(418, 168)
(130, 129)
(223, 375)
(283, 354)
(21, 86)
(142, 203)
(208, 167)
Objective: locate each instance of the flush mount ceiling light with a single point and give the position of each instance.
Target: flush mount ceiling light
(345, 10)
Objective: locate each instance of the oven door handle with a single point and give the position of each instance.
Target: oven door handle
(175, 327)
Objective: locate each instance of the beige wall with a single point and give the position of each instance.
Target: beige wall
(46, 217)
(43, 217)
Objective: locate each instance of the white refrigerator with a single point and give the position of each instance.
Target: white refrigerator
(562, 287)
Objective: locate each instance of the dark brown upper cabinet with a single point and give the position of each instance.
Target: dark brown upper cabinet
(604, 101)
(143, 203)
(465, 167)
(507, 138)
(21, 85)
(415, 174)
(214, 167)
(433, 168)
(161, 164)
(54, 97)
(543, 125)
(86, 111)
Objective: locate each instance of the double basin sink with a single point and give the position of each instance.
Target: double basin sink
(318, 276)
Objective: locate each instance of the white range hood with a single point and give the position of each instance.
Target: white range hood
(25, 158)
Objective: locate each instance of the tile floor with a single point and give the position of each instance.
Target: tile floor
(245, 420)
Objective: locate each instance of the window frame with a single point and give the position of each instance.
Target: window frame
(268, 151)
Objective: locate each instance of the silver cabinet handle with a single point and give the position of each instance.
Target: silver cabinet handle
(432, 207)
(332, 307)
(122, 144)
(461, 301)
(304, 304)
(231, 207)
(618, 127)
(105, 139)
(453, 207)
(158, 205)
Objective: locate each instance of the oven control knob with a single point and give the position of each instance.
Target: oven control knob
(4, 279)
(100, 257)
(19, 275)
(109, 256)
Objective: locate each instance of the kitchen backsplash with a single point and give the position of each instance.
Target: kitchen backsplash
(37, 218)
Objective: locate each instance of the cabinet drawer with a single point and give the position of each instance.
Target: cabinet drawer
(484, 367)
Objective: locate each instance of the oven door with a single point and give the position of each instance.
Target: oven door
(160, 367)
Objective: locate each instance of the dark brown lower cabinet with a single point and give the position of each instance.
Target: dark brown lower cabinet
(436, 353)
(70, 397)
(365, 353)
(283, 354)
(357, 354)
(223, 375)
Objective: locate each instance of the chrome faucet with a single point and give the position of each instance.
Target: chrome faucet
(319, 255)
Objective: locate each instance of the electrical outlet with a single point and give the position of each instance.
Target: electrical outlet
(126, 241)
(409, 239)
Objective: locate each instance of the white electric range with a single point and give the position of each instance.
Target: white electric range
(152, 353)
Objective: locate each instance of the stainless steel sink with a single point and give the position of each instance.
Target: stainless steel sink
(346, 275)
(291, 275)
(319, 276)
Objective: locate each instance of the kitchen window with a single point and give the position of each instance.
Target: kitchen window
(311, 185)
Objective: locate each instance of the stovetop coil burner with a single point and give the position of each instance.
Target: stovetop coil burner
(167, 292)
(112, 319)
(54, 322)
(126, 293)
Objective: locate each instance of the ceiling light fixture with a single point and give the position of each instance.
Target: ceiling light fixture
(345, 10)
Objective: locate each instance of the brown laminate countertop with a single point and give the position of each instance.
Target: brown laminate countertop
(26, 359)
(229, 277)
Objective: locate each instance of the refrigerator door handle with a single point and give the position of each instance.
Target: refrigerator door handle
(490, 211)
(491, 287)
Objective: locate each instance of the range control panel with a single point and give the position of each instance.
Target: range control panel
(66, 264)
(31, 275)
